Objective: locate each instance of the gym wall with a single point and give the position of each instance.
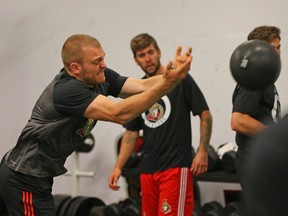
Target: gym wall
(32, 34)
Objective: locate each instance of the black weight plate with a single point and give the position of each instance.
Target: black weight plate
(59, 200)
(83, 205)
(97, 211)
(131, 210)
(207, 207)
(228, 161)
(113, 209)
(66, 206)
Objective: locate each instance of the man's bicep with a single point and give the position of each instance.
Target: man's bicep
(135, 86)
(101, 108)
(236, 121)
(130, 136)
(131, 86)
(239, 119)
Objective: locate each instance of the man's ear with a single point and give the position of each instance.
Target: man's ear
(75, 67)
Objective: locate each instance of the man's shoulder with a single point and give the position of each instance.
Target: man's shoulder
(64, 80)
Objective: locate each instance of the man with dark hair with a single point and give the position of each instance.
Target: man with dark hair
(168, 164)
(253, 111)
(64, 115)
(267, 33)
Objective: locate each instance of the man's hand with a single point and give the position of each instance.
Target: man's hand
(200, 163)
(113, 179)
(180, 59)
(178, 70)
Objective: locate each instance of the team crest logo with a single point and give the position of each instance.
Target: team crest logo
(87, 128)
(155, 112)
(166, 208)
(158, 113)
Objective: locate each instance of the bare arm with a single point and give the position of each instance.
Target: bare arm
(103, 108)
(245, 124)
(200, 161)
(205, 130)
(135, 86)
(128, 142)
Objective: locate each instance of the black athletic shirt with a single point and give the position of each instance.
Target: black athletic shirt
(57, 126)
(167, 128)
(263, 106)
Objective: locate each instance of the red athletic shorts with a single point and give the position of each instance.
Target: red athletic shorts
(169, 192)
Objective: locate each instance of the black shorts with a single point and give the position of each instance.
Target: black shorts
(25, 195)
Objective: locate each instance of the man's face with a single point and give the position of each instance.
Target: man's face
(148, 59)
(93, 66)
(277, 45)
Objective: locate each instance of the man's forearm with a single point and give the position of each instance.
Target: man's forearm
(245, 124)
(205, 130)
(128, 142)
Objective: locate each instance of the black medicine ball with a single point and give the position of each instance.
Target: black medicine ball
(255, 65)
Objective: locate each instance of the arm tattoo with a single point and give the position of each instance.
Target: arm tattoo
(205, 131)
(130, 138)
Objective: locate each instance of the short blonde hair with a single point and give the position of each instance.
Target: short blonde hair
(72, 48)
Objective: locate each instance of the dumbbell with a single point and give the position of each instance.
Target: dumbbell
(97, 211)
(197, 211)
(87, 144)
(212, 208)
(113, 209)
(227, 155)
(131, 210)
(234, 214)
(232, 208)
(59, 200)
(82, 206)
(127, 207)
(65, 206)
(228, 161)
(79, 206)
(213, 159)
(131, 207)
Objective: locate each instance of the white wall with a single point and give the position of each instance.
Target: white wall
(32, 33)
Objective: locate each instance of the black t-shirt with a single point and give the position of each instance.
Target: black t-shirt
(73, 96)
(167, 127)
(57, 126)
(263, 106)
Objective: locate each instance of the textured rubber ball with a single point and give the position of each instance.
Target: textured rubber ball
(255, 65)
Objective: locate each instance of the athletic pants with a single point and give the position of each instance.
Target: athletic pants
(24, 195)
(168, 192)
